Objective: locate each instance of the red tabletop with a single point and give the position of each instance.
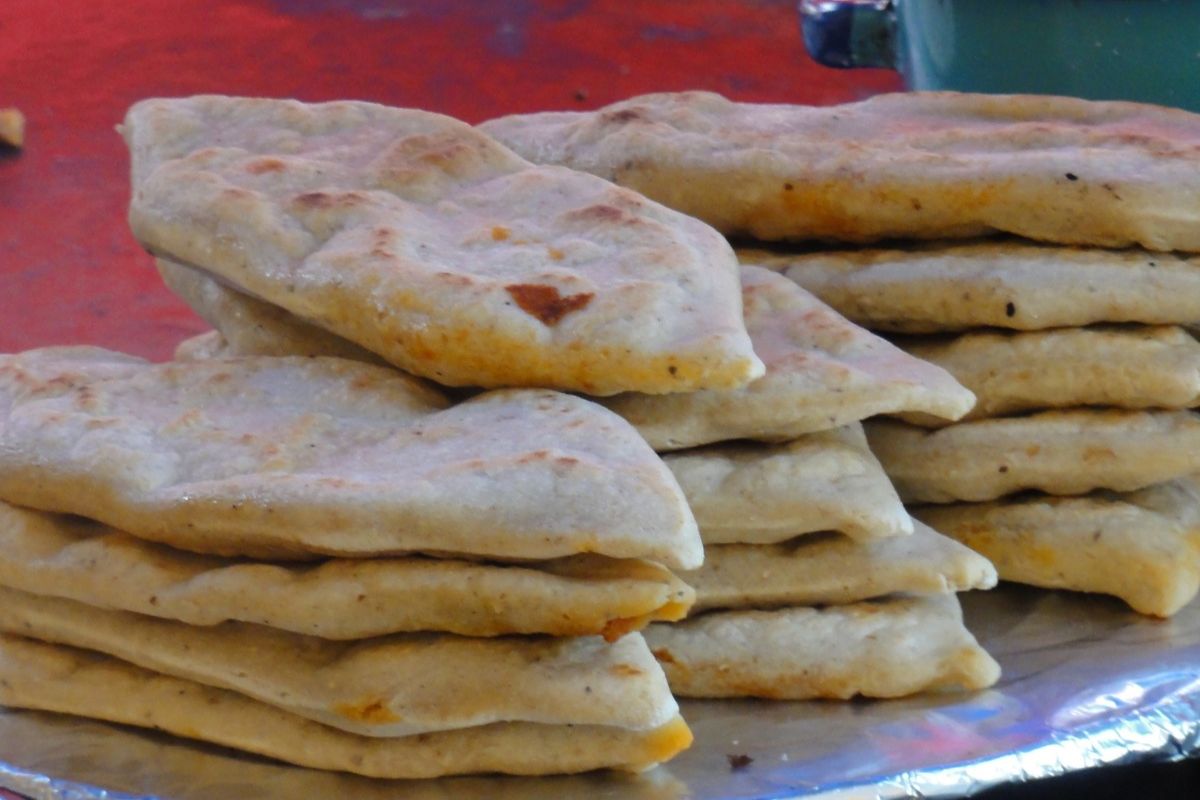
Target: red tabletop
(69, 270)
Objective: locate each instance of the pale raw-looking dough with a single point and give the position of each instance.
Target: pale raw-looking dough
(1134, 367)
(885, 648)
(65, 556)
(1004, 284)
(70, 681)
(1059, 452)
(822, 371)
(398, 685)
(1143, 547)
(912, 165)
(290, 457)
(830, 569)
(750, 492)
(249, 326)
(423, 240)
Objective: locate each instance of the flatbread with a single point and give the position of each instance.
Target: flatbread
(830, 569)
(1059, 452)
(1003, 284)
(421, 239)
(912, 165)
(399, 685)
(1131, 367)
(886, 648)
(1143, 547)
(290, 457)
(251, 327)
(62, 679)
(763, 493)
(822, 372)
(64, 556)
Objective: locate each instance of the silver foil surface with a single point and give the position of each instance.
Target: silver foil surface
(1086, 682)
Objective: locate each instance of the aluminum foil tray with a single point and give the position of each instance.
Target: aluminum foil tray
(1086, 682)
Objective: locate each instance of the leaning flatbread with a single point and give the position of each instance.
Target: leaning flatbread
(398, 685)
(1129, 367)
(822, 372)
(830, 569)
(62, 679)
(288, 457)
(1143, 547)
(423, 240)
(251, 327)
(758, 493)
(886, 648)
(1059, 452)
(913, 165)
(1004, 284)
(64, 556)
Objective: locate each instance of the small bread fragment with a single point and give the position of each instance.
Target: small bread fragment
(66, 680)
(884, 648)
(12, 127)
(1143, 547)
(1059, 452)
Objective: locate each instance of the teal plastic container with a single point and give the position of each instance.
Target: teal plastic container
(1147, 50)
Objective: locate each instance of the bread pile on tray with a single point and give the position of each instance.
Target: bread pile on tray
(1074, 470)
(332, 562)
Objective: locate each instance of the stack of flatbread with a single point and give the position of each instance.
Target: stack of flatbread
(810, 472)
(332, 562)
(1073, 469)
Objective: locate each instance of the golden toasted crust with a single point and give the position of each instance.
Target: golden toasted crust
(913, 165)
(424, 241)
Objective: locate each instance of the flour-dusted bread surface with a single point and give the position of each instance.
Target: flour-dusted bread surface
(911, 165)
(65, 556)
(886, 648)
(397, 685)
(822, 372)
(66, 680)
(1059, 452)
(290, 457)
(762, 493)
(1125, 367)
(1002, 284)
(251, 327)
(1143, 547)
(831, 569)
(425, 241)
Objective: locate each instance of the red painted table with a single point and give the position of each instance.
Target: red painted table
(69, 270)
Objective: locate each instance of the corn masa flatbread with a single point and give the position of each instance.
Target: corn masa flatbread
(887, 648)
(296, 457)
(1004, 284)
(423, 240)
(1142, 547)
(913, 165)
(751, 492)
(1059, 452)
(66, 680)
(65, 556)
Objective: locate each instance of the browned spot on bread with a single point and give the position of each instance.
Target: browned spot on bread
(624, 115)
(500, 233)
(624, 669)
(616, 628)
(325, 200)
(372, 712)
(545, 303)
(260, 165)
(663, 655)
(601, 212)
(555, 254)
